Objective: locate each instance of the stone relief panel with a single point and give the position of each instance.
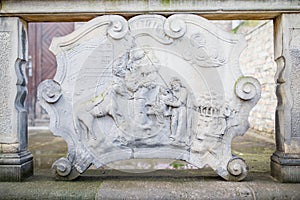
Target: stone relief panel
(149, 87)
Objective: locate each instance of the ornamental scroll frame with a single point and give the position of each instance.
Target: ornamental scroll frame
(56, 96)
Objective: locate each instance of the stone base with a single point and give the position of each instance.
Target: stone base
(286, 167)
(16, 166)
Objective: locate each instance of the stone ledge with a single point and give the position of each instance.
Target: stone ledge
(79, 10)
(196, 189)
(156, 185)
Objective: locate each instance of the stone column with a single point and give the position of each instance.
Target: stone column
(15, 160)
(285, 162)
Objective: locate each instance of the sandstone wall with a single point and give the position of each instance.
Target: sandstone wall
(258, 60)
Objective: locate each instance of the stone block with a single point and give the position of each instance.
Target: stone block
(285, 168)
(16, 166)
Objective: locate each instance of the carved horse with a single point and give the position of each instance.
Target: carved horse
(99, 106)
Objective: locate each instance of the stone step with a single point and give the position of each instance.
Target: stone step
(162, 184)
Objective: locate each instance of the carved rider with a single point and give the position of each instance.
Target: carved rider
(140, 79)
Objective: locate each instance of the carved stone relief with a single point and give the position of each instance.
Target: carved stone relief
(149, 87)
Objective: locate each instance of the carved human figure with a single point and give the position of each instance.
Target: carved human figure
(160, 108)
(140, 79)
(105, 103)
(119, 70)
(179, 111)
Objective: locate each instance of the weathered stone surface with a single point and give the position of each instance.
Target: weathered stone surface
(286, 160)
(149, 87)
(15, 160)
(7, 94)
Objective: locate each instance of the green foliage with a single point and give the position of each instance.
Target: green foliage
(165, 2)
(177, 165)
(246, 24)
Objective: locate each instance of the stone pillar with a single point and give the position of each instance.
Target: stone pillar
(285, 162)
(15, 160)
